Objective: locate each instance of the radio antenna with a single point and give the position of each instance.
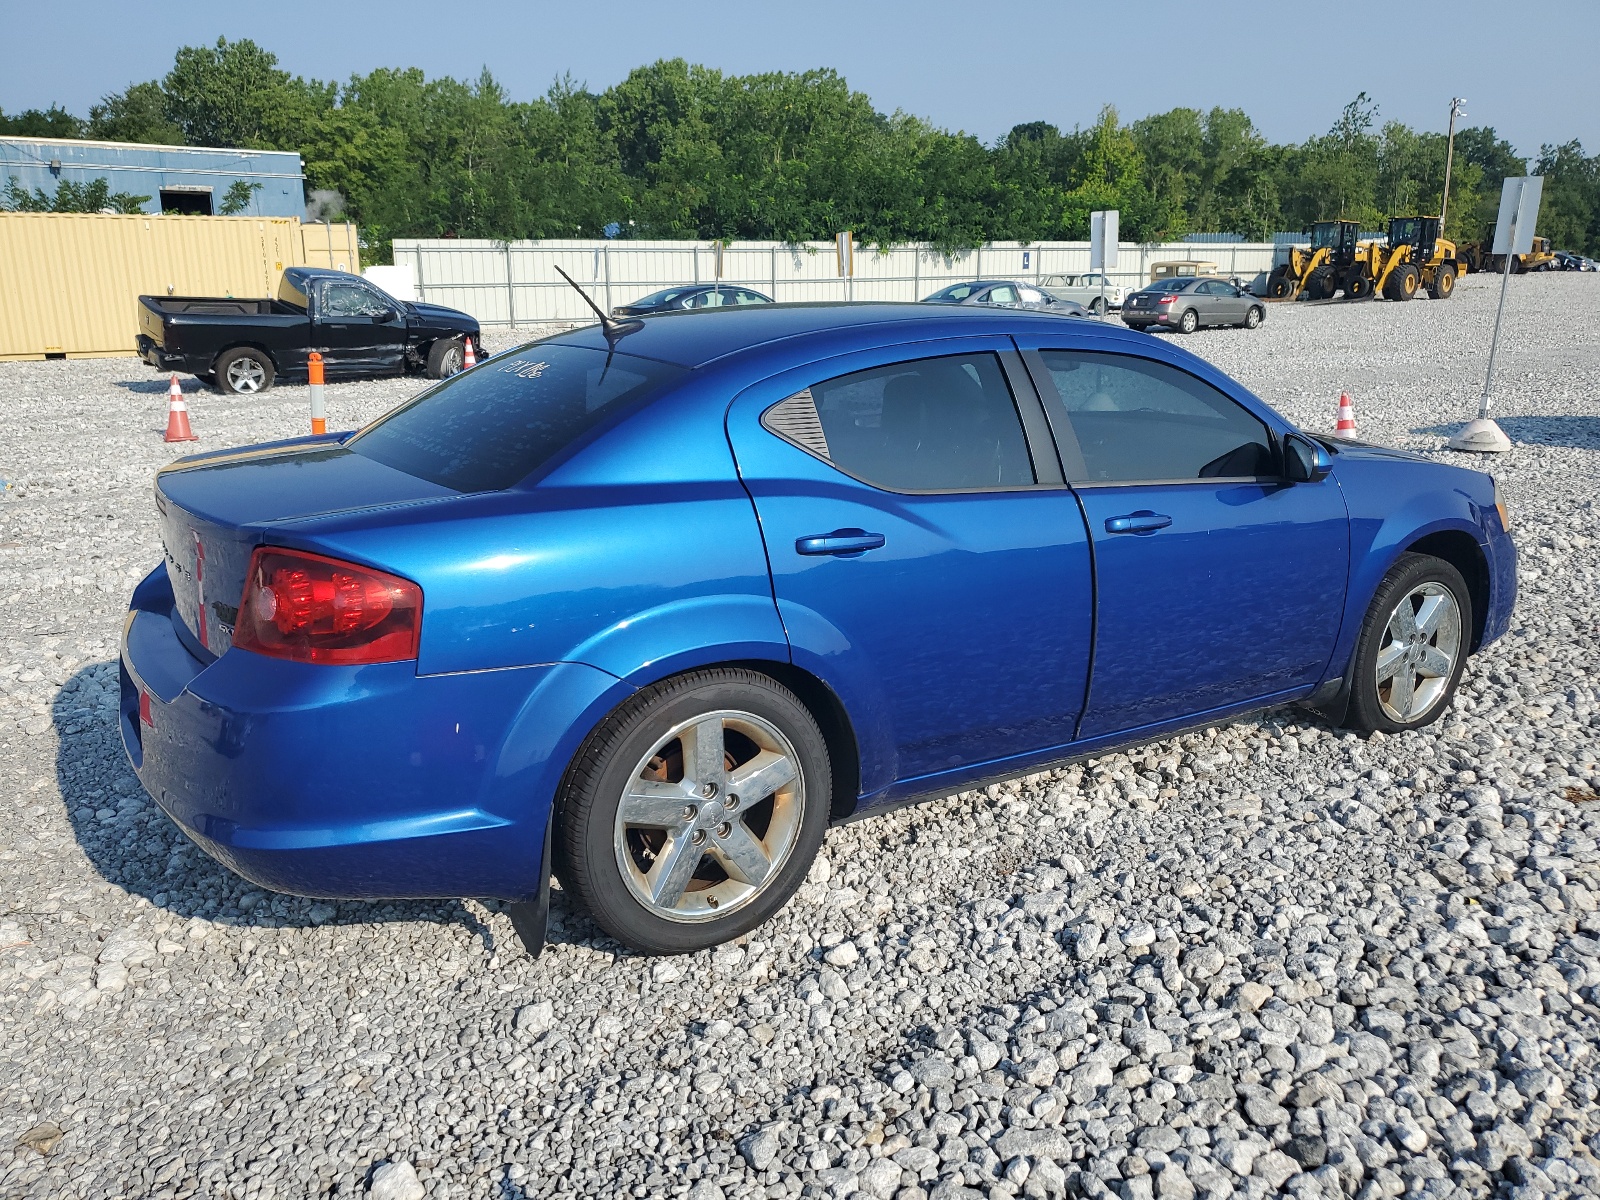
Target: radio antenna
(612, 327)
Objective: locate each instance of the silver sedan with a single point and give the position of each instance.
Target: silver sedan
(1187, 303)
(1005, 293)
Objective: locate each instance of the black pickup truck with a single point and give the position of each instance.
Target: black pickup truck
(241, 346)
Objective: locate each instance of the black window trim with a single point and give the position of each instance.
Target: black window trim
(1036, 437)
(1076, 467)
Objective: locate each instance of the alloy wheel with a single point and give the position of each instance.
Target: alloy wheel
(246, 375)
(1422, 640)
(709, 816)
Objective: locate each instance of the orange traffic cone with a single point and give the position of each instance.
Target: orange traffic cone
(178, 416)
(471, 359)
(1346, 428)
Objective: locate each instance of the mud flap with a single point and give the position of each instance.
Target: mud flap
(531, 917)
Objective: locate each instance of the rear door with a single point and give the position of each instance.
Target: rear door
(358, 331)
(1217, 582)
(927, 560)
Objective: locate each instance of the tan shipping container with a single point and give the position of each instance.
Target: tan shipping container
(69, 282)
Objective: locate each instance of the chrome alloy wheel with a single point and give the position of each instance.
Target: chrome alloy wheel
(246, 375)
(450, 364)
(710, 816)
(1422, 641)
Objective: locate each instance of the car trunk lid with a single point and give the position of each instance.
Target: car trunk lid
(215, 509)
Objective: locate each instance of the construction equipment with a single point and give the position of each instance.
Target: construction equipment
(1415, 257)
(1478, 256)
(1326, 267)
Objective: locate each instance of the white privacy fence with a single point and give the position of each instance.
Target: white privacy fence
(513, 283)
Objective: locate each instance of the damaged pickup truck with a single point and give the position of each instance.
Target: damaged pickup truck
(242, 345)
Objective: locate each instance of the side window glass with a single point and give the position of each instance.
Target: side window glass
(1138, 420)
(1003, 295)
(349, 300)
(928, 425)
(1029, 296)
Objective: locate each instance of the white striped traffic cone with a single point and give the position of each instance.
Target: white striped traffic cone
(471, 359)
(1346, 428)
(178, 415)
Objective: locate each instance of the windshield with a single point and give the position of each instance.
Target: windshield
(492, 427)
(1324, 233)
(1403, 231)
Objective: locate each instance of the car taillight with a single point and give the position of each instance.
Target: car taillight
(1166, 300)
(313, 609)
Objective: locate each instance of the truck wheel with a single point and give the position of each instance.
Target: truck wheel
(445, 358)
(1321, 285)
(1401, 284)
(1279, 285)
(1359, 287)
(244, 371)
(1444, 283)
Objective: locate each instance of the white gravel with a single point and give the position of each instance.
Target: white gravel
(1265, 956)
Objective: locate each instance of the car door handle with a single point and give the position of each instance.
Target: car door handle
(1143, 521)
(841, 542)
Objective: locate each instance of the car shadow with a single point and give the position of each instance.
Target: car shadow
(159, 385)
(1582, 433)
(135, 846)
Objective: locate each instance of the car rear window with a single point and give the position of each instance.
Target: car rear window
(492, 427)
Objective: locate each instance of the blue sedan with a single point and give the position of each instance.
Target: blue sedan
(649, 607)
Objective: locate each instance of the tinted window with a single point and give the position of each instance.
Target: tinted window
(1142, 420)
(930, 425)
(743, 297)
(1004, 294)
(712, 299)
(959, 291)
(492, 427)
(1168, 285)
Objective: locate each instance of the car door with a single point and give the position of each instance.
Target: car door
(927, 560)
(358, 331)
(1218, 583)
(1207, 302)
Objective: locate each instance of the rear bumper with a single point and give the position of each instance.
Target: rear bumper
(160, 358)
(358, 782)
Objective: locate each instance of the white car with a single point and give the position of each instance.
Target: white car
(1085, 289)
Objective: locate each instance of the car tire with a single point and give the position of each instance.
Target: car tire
(1444, 283)
(1253, 318)
(1406, 670)
(244, 371)
(1097, 307)
(1402, 283)
(1189, 322)
(633, 807)
(445, 358)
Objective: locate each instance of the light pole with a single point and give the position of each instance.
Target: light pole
(1458, 108)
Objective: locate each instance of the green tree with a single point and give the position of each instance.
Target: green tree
(138, 113)
(91, 197)
(52, 122)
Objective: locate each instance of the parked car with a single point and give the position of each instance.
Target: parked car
(242, 346)
(1181, 268)
(651, 608)
(1004, 293)
(1086, 290)
(698, 295)
(1187, 304)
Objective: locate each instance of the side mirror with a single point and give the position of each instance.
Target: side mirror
(1304, 460)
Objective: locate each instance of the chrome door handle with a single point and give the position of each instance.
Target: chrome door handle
(1143, 521)
(844, 543)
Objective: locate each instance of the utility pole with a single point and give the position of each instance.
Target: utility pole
(1458, 108)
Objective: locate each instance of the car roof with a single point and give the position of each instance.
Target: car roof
(697, 338)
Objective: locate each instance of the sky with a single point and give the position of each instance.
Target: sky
(978, 67)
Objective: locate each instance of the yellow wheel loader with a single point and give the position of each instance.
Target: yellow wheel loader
(1322, 269)
(1415, 258)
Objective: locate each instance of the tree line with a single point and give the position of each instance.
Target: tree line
(677, 150)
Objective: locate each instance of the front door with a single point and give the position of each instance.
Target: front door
(1218, 583)
(927, 564)
(358, 331)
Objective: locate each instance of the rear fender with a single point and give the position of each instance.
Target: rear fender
(671, 638)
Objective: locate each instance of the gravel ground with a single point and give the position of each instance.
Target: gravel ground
(1266, 956)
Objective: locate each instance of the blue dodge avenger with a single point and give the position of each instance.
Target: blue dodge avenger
(648, 606)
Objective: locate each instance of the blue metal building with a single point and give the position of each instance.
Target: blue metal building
(186, 179)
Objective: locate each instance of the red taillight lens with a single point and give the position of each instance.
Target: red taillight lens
(1166, 300)
(313, 609)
